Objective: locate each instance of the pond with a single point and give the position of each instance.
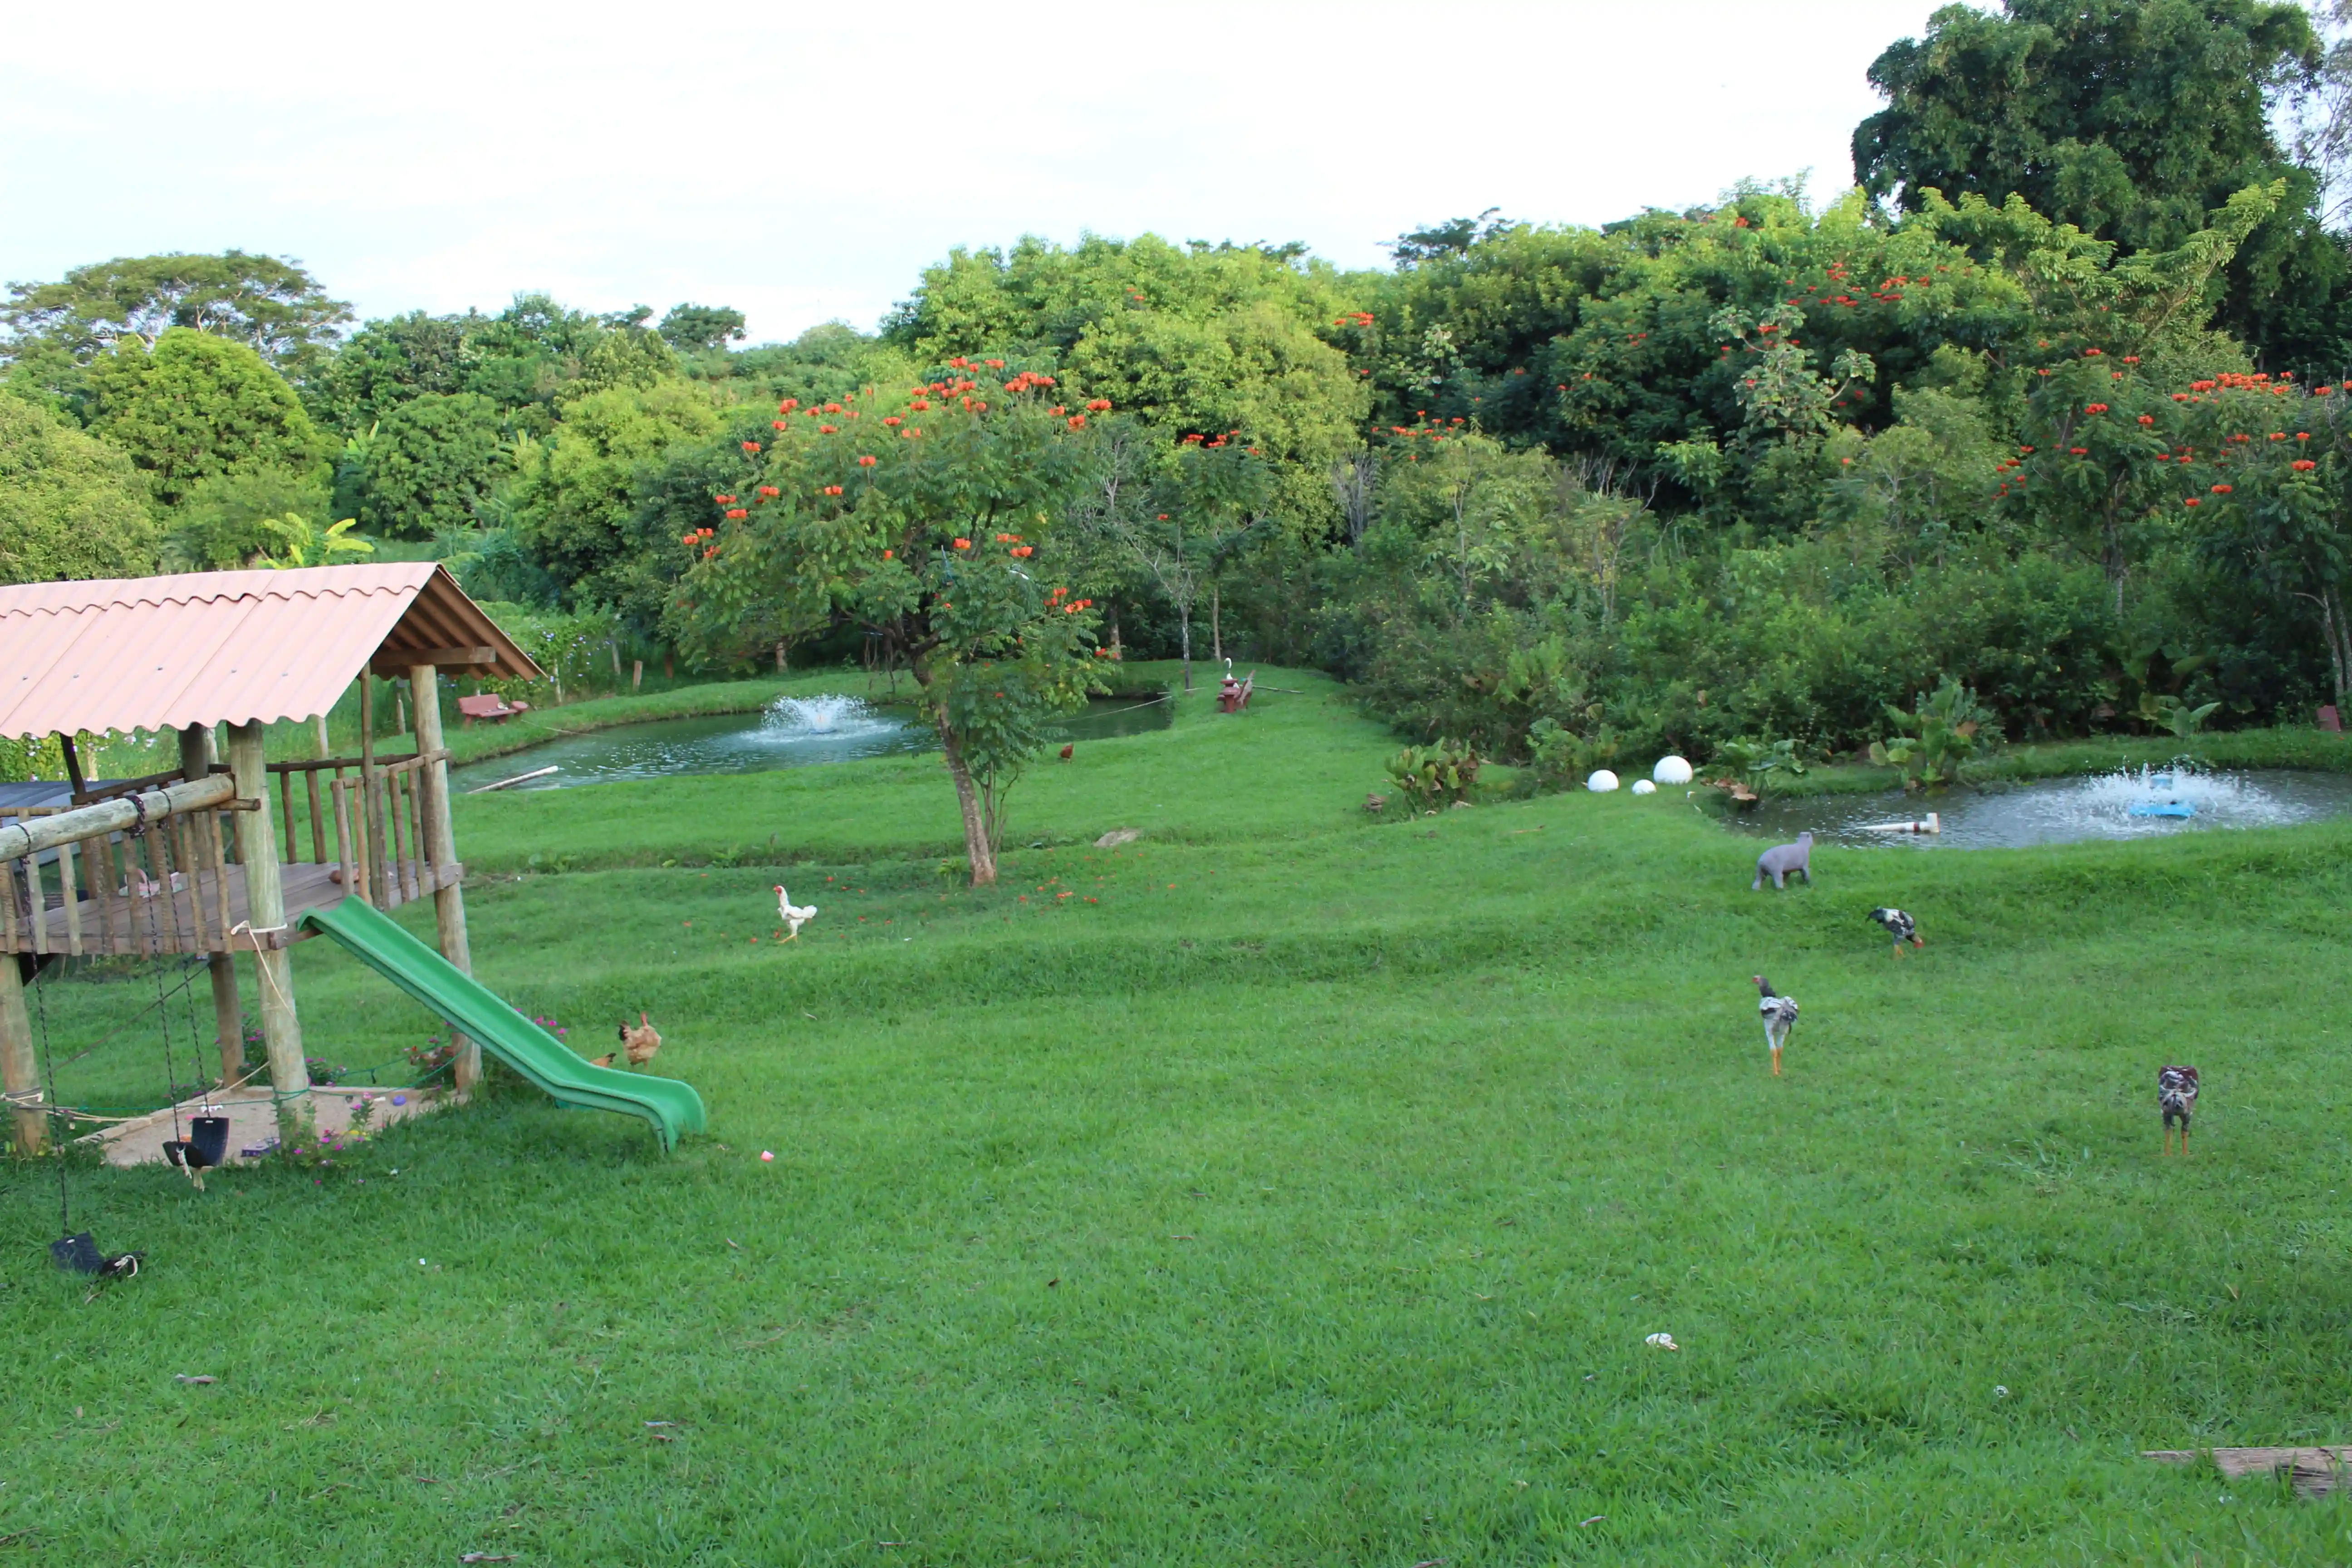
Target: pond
(794, 732)
(2146, 803)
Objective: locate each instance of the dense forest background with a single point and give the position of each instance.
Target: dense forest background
(2046, 405)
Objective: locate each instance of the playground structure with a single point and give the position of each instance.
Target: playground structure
(208, 858)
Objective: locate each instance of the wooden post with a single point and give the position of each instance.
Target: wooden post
(370, 811)
(636, 675)
(228, 1014)
(265, 903)
(440, 851)
(321, 731)
(20, 1069)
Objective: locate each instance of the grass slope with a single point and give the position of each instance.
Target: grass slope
(1298, 1189)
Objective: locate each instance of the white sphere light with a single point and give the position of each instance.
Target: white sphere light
(1602, 782)
(1672, 771)
(1644, 786)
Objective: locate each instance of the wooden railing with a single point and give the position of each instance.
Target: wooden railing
(157, 882)
(381, 842)
(320, 815)
(159, 885)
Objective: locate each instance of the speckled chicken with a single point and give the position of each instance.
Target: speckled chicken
(2176, 1096)
(1899, 926)
(1780, 1015)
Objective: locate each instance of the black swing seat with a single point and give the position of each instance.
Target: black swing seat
(77, 1252)
(205, 1147)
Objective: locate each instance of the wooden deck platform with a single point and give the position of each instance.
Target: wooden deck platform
(207, 921)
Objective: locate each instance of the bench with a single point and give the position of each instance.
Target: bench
(491, 706)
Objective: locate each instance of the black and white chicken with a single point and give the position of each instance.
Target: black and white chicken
(2176, 1096)
(1899, 926)
(1780, 1015)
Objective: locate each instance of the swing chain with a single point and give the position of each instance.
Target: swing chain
(155, 945)
(49, 1070)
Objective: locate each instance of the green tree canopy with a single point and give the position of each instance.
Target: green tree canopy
(232, 520)
(70, 505)
(2127, 119)
(522, 359)
(693, 328)
(427, 465)
(1193, 340)
(198, 407)
(572, 496)
(268, 304)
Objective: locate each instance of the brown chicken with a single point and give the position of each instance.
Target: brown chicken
(639, 1043)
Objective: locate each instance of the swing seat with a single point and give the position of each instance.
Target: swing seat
(205, 1147)
(77, 1252)
(208, 1139)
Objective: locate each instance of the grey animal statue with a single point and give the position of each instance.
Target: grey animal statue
(1782, 859)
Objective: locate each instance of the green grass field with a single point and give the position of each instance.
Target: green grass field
(1298, 1189)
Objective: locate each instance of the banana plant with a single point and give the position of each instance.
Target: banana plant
(300, 539)
(1942, 732)
(2170, 713)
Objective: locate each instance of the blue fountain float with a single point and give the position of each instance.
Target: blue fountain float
(2175, 807)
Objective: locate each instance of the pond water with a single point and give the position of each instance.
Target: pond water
(2146, 803)
(794, 732)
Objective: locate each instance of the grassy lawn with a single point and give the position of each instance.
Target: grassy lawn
(1298, 1189)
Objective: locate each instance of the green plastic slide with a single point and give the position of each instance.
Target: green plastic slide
(468, 1005)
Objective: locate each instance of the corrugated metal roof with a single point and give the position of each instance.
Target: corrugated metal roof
(209, 647)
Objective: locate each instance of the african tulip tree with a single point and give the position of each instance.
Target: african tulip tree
(920, 517)
(2096, 462)
(2265, 470)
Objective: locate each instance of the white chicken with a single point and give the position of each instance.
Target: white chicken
(795, 916)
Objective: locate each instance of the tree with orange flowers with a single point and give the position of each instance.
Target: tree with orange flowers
(928, 518)
(2266, 485)
(2097, 459)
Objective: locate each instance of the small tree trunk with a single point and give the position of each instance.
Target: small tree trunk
(2339, 640)
(779, 656)
(2344, 641)
(670, 668)
(977, 847)
(1184, 621)
(1216, 630)
(636, 674)
(1116, 651)
(614, 644)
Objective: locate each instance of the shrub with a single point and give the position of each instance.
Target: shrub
(1433, 777)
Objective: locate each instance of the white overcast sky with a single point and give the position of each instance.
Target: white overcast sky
(802, 162)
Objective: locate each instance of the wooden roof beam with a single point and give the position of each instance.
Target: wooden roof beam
(391, 661)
